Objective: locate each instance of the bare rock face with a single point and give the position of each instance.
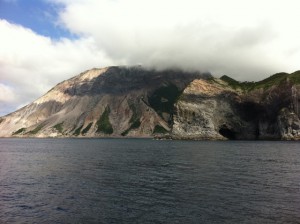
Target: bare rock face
(289, 125)
(135, 102)
(208, 109)
(113, 101)
(226, 109)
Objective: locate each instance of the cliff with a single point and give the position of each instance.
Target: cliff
(113, 101)
(136, 102)
(227, 109)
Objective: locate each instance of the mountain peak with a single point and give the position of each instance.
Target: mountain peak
(136, 102)
(132, 101)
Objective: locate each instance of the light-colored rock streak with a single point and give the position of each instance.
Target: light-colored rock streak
(53, 95)
(208, 88)
(91, 74)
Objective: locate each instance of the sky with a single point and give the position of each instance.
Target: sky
(43, 42)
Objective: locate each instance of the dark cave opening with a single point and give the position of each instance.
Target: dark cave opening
(227, 133)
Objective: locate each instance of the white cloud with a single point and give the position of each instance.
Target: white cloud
(248, 40)
(6, 93)
(7, 98)
(32, 64)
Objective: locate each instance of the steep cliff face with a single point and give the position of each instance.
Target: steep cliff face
(134, 102)
(226, 109)
(114, 101)
(209, 109)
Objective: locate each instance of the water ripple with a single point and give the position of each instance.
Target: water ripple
(145, 181)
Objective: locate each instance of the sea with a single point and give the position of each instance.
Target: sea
(148, 181)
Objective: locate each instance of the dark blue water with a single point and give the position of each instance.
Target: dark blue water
(147, 181)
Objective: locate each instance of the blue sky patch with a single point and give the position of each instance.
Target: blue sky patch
(38, 15)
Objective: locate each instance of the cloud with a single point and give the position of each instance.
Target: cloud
(7, 98)
(248, 40)
(6, 93)
(245, 39)
(31, 64)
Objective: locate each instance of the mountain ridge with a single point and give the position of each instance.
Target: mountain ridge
(127, 94)
(124, 101)
(265, 83)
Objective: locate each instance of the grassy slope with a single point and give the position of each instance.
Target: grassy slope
(163, 99)
(265, 84)
(104, 124)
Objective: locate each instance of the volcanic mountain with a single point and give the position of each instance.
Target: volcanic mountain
(137, 102)
(113, 101)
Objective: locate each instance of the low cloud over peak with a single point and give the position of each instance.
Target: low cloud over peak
(247, 40)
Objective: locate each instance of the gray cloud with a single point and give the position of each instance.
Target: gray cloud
(247, 40)
(244, 39)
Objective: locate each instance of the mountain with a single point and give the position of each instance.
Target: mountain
(225, 108)
(136, 102)
(113, 101)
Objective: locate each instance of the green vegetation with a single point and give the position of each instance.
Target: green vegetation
(87, 128)
(159, 130)
(59, 127)
(134, 120)
(103, 123)
(36, 130)
(21, 130)
(1, 120)
(231, 82)
(163, 99)
(295, 77)
(134, 125)
(271, 81)
(245, 86)
(276, 79)
(135, 115)
(124, 133)
(77, 131)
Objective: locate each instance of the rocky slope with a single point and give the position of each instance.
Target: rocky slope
(135, 102)
(113, 101)
(227, 109)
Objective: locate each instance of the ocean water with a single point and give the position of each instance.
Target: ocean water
(148, 181)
